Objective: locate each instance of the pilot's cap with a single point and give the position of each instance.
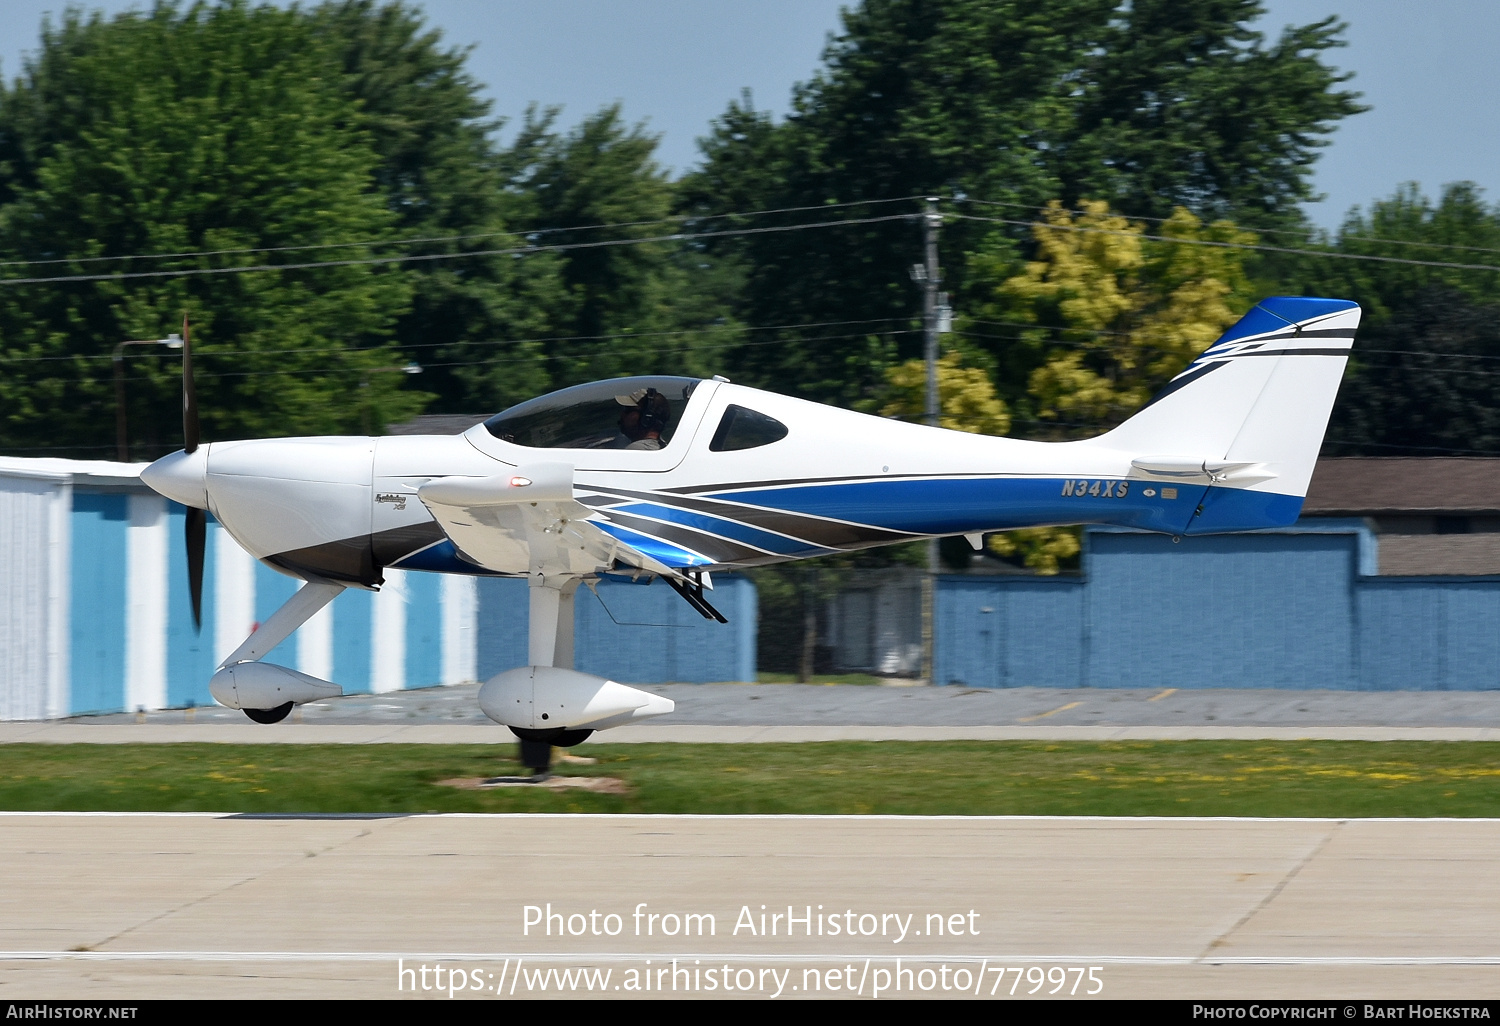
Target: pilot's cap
(633, 399)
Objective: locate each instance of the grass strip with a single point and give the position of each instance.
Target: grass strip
(1136, 778)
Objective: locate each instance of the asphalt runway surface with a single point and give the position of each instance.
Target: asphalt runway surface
(878, 705)
(165, 906)
(737, 713)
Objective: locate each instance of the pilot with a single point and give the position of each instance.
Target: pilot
(643, 420)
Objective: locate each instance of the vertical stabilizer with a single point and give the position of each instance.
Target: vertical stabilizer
(1251, 410)
(1261, 394)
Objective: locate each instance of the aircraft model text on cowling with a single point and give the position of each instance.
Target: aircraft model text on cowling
(678, 477)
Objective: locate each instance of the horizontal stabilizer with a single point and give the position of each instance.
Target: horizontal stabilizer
(1188, 468)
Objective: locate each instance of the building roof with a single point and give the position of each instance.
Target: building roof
(54, 468)
(1393, 485)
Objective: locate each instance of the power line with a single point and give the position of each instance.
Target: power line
(1122, 346)
(1306, 235)
(428, 257)
(518, 232)
(343, 369)
(392, 348)
(1356, 352)
(1331, 254)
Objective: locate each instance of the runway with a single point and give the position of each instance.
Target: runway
(742, 714)
(137, 906)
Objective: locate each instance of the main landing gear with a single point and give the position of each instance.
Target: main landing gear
(537, 745)
(547, 703)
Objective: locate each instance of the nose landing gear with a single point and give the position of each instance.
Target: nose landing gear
(275, 715)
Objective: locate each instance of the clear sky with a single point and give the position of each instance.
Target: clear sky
(1426, 68)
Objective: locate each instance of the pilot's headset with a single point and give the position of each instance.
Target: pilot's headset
(655, 411)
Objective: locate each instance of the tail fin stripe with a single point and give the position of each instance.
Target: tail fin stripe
(1213, 359)
(1324, 351)
(1251, 343)
(1187, 377)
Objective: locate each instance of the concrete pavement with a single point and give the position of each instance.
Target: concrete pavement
(151, 906)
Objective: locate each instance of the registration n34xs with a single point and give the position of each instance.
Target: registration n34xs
(678, 478)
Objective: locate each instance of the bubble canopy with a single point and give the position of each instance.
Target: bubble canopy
(594, 416)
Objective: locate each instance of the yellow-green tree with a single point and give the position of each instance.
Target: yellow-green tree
(1042, 549)
(966, 396)
(967, 402)
(1119, 310)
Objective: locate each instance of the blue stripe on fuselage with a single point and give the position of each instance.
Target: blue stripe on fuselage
(657, 549)
(966, 505)
(779, 544)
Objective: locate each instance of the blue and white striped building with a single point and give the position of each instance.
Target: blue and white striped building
(95, 614)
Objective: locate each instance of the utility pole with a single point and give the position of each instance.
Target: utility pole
(931, 221)
(122, 434)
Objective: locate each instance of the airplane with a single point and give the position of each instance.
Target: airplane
(679, 478)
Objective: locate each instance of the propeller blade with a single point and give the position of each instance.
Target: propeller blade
(197, 539)
(189, 394)
(196, 524)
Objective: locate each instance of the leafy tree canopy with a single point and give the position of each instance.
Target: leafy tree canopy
(966, 396)
(1422, 383)
(207, 129)
(443, 178)
(1117, 315)
(654, 307)
(1460, 228)
(1154, 105)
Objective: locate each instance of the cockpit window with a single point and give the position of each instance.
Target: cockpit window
(742, 428)
(625, 413)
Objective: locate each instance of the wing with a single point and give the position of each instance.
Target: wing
(527, 521)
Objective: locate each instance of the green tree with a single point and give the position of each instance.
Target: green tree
(1418, 381)
(207, 129)
(1156, 104)
(1421, 383)
(655, 307)
(443, 177)
(1460, 228)
(1117, 314)
(966, 396)
(1184, 104)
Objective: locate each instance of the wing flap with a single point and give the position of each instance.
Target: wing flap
(527, 522)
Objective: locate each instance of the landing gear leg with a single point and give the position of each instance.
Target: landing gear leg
(549, 643)
(536, 747)
(537, 757)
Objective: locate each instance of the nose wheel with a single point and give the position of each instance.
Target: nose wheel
(275, 715)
